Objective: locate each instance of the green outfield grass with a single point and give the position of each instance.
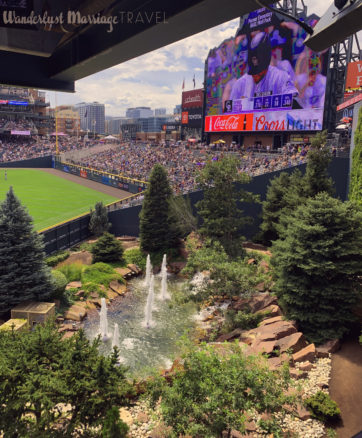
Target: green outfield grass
(49, 198)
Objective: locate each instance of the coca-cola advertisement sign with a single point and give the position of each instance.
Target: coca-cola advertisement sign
(193, 98)
(235, 122)
(295, 120)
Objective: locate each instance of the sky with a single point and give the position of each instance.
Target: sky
(155, 79)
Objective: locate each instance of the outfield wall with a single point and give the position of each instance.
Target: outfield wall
(125, 221)
(120, 182)
(32, 163)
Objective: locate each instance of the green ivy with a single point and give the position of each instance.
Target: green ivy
(355, 187)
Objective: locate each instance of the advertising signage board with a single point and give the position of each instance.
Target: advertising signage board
(267, 73)
(354, 76)
(192, 99)
(295, 120)
(192, 118)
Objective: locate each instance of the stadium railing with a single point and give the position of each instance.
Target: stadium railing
(131, 185)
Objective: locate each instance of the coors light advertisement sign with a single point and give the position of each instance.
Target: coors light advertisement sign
(192, 99)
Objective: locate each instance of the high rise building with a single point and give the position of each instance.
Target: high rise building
(177, 109)
(139, 112)
(160, 112)
(92, 117)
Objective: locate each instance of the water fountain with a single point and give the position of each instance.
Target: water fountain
(115, 339)
(142, 345)
(164, 293)
(103, 321)
(148, 311)
(164, 264)
(148, 271)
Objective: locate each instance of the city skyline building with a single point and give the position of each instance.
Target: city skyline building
(139, 112)
(92, 116)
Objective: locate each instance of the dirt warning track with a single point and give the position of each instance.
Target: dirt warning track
(112, 191)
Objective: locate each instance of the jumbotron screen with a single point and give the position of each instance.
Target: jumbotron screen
(265, 79)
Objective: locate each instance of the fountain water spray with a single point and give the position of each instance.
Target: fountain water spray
(149, 304)
(103, 321)
(148, 271)
(164, 294)
(164, 264)
(115, 342)
(115, 339)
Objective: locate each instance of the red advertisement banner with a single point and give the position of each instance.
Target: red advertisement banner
(185, 118)
(354, 75)
(83, 173)
(233, 122)
(193, 98)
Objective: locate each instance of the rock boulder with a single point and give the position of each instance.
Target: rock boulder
(75, 313)
(119, 288)
(328, 347)
(275, 331)
(293, 342)
(305, 354)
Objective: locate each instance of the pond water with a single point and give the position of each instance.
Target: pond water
(142, 348)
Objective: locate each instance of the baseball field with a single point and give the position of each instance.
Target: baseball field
(49, 199)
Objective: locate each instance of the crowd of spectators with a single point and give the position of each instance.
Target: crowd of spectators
(21, 147)
(135, 160)
(182, 162)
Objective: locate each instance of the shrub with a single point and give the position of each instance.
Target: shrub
(97, 274)
(73, 272)
(243, 319)
(211, 390)
(59, 283)
(55, 259)
(135, 256)
(229, 276)
(322, 407)
(107, 249)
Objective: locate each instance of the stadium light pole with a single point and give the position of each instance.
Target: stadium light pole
(56, 127)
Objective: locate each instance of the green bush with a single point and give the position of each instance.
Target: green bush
(55, 259)
(73, 272)
(107, 249)
(135, 256)
(242, 319)
(230, 276)
(99, 273)
(59, 282)
(355, 187)
(322, 407)
(210, 391)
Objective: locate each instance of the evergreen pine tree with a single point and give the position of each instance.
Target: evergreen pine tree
(158, 229)
(24, 274)
(316, 263)
(272, 207)
(107, 249)
(286, 193)
(98, 223)
(316, 178)
(222, 217)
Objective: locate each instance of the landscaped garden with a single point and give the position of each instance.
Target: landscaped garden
(188, 331)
